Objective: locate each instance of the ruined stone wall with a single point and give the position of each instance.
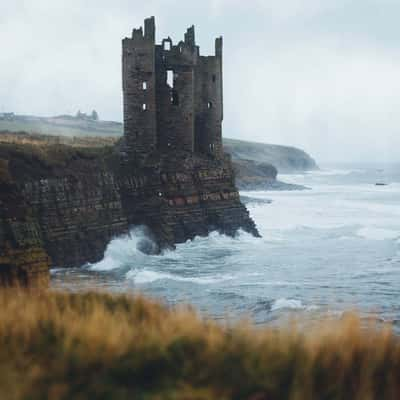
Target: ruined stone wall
(139, 91)
(175, 100)
(186, 111)
(209, 103)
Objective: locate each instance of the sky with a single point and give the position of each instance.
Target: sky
(322, 75)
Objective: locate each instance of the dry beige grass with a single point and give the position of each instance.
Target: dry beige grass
(99, 346)
(36, 139)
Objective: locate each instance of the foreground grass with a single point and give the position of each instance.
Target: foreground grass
(99, 346)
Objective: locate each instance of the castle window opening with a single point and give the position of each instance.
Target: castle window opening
(144, 106)
(170, 78)
(167, 46)
(214, 78)
(209, 105)
(144, 85)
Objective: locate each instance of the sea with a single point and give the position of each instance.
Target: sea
(325, 251)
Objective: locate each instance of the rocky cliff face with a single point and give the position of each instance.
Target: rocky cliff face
(23, 261)
(60, 206)
(285, 158)
(253, 175)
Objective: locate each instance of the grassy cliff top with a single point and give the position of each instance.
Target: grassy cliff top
(100, 346)
(284, 158)
(25, 157)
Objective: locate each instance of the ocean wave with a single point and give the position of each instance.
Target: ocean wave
(284, 303)
(143, 276)
(126, 249)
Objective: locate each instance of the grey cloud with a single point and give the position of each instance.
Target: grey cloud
(316, 74)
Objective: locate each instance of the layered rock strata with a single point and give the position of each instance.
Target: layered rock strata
(61, 206)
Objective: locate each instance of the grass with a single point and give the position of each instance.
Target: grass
(52, 126)
(25, 157)
(100, 346)
(41, 140)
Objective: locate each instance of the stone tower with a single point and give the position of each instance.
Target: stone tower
(172, 95)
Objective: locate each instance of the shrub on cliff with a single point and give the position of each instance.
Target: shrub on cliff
(99, 346)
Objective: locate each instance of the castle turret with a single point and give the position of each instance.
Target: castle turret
(139, 91)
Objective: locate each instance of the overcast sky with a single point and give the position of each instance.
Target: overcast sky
(323, 75)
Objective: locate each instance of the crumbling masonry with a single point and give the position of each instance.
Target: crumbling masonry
(172, 95)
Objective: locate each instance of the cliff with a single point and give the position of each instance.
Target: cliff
(285, 158)
(254, 175)
(73, 200)
(251, 174)
(23, 261)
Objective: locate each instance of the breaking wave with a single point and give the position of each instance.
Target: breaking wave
(126, 250)
(147, 276)
(291, 304)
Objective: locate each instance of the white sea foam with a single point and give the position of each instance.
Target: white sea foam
(284, 303)
(148, 276)
(126, 250)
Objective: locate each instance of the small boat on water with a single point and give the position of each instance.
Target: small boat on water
(380, 184)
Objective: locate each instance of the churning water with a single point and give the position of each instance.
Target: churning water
(326, 250)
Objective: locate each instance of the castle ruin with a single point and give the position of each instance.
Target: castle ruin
(172, 95)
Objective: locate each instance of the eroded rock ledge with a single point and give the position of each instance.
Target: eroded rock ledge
(60, 206)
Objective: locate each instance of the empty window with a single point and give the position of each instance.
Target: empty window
(170, 78)
(214, 78)
(180, 49)
(167, 46)
(209, 104)
(144, 85)
(144, 106)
